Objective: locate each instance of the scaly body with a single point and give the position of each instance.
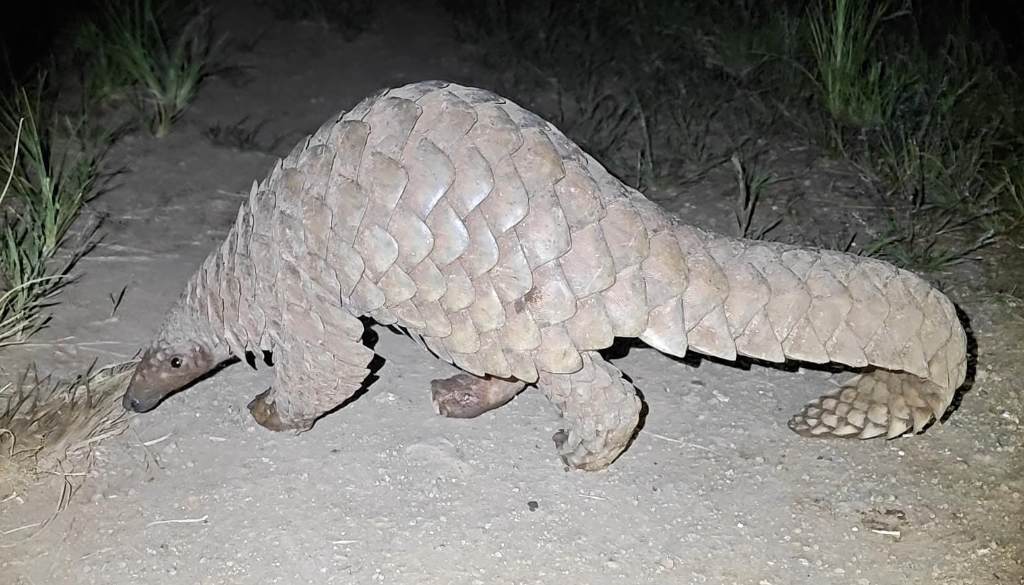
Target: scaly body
(483, 231)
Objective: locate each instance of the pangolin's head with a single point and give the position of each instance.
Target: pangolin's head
(163, 370)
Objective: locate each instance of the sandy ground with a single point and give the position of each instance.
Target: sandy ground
(714, 490)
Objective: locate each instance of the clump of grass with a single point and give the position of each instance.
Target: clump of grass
(685, 135)
(600, 118)
(943, 158)
(136, 53)
(50, 429)
(50, 175)
(751, 183)
(1011, 187)
(759, 35)
(857, 89)
(924, 246)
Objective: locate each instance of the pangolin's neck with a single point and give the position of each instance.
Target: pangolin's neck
(188, 324)
(206, 310)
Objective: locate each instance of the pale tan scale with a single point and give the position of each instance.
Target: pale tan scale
(550, 300)
(856, 418)
(445, 118)
(464, 338)
(474, 180)
(588, 265)
(878, 413)
(870, 306)
(921, 418)
(800, 262)
(451, 237)
(897, 426)
(380, 204)
(577, 194)
(486, 310)
(492, 355)
(511, 276)
(509, 201)
(391, 121)
(626, 236)
(397, 286)
(520, 332)
(590, 328)
(435, 318)
(378, 249)
(349, 140)
(495, 134)
(483, 251)
(413, 237)
(366, 296)
(557, 353)
(888, 349)
(347, 265)
(317, 218)
(666, 329)
(347, 201)
(430, 176)
(459, 292)
(711, 335)
(407, 314)
(803, 342)
(830, 305)
(626, 303)
(664, 270)
(431, 284)
(758, 340)
(707, 287)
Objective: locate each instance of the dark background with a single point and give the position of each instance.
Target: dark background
(32, 31)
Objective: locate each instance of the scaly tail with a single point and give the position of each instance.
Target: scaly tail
(776, 302)
(873, 404)
(824, 306)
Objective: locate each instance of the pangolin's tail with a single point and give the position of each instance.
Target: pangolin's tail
(775, 302)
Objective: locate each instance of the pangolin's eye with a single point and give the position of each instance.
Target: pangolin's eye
(175, 362)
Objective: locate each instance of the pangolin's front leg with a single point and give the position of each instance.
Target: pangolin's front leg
(308, 383)
(320, 363)
(601, 408)
(466, 396)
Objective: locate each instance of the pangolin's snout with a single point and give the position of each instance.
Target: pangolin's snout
(130, 402)
(136, 400)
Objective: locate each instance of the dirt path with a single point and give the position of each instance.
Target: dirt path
(715, 489)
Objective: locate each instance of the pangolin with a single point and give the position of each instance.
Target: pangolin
(490, 237)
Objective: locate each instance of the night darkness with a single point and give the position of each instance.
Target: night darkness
(32, 31)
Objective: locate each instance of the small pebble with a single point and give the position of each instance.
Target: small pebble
(532, 505)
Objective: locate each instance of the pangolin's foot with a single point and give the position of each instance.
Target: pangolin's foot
(594, 452)
(267, 414)
(602, 411)
(467, 396)
(873, 404)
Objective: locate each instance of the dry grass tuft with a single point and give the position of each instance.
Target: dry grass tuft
(50, 429)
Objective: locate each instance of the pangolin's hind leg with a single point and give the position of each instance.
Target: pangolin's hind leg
(601, 408)
(873, 404)
(466, 396)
